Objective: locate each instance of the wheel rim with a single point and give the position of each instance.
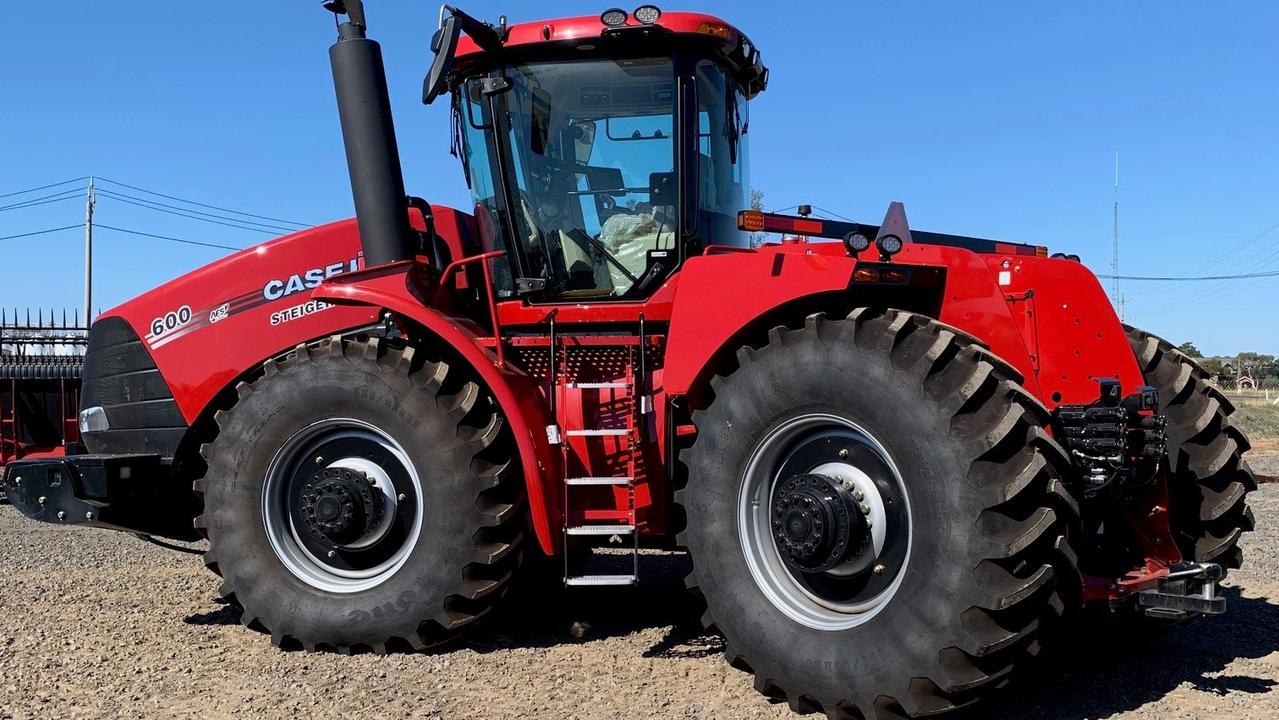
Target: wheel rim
(342, 505)
(824, 521)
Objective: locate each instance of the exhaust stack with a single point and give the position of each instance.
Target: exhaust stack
(368, 132)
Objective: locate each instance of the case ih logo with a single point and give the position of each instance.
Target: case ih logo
(296, 283)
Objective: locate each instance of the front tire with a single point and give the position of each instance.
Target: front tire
(973, 558)
(360, 497)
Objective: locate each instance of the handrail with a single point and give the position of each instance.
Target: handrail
(483, 259)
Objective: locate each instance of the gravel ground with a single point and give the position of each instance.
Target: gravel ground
(98, 624)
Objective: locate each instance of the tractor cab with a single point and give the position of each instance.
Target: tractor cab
(599, 151)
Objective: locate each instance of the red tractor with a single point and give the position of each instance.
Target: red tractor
(894, 457)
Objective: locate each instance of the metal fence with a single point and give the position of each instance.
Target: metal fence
(41, 358)
(1257, 410)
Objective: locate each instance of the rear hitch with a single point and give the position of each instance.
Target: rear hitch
(1188, 589)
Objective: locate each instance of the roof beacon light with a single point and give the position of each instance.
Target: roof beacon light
(647, 14)
(614, 17)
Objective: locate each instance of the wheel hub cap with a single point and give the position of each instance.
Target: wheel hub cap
(817, 523)
(824, 521)
(341, 505)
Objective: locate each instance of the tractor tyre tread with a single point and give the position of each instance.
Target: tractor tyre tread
(1027, 576)
(493, 530)
(1209, 480)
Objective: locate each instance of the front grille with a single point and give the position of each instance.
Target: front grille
(122, 379)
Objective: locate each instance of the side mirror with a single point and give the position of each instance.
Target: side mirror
(443, 44)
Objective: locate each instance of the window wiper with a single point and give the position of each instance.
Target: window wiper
(578, 234)
(731, 127)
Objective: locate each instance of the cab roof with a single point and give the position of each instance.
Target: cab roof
(708, 31)
(588, 27)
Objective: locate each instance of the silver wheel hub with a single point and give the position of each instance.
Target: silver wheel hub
(824, 521)
(342, 505)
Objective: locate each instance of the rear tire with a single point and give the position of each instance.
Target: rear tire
(438, 548)
(987, 563)
(1208, 478)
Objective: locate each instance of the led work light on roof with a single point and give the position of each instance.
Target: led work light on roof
(856, 242)
(889, 245)
(615, 17)
(647, 14)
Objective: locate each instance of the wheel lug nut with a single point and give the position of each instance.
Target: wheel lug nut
(859, 495)
(865, 509)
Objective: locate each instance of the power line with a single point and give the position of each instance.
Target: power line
(32, 202)
(1174, 308)
(1258, 259)
(163, 237)
(832, 214)
(143, 204)
(1246, 276)
(204, 205)
(1243, 244)
(1214, 291)
(274, 228)
(39, 232)
(45, 187)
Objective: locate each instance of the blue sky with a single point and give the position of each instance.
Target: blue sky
(992, 119)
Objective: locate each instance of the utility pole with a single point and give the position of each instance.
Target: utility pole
(88, 256)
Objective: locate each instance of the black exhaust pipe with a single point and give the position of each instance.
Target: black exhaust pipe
(372, 156)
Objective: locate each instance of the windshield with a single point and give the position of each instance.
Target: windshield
(588, 152)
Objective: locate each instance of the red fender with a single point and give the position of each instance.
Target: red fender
(709, 312)
(391, 287)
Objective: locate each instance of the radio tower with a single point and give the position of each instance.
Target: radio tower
(1116, 295)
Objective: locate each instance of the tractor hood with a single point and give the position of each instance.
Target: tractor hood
(239, 310)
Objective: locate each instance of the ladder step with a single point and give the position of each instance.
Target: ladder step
(600, 530)
(599, 385)
(582, 580)
(599, 480)
(598, 433)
